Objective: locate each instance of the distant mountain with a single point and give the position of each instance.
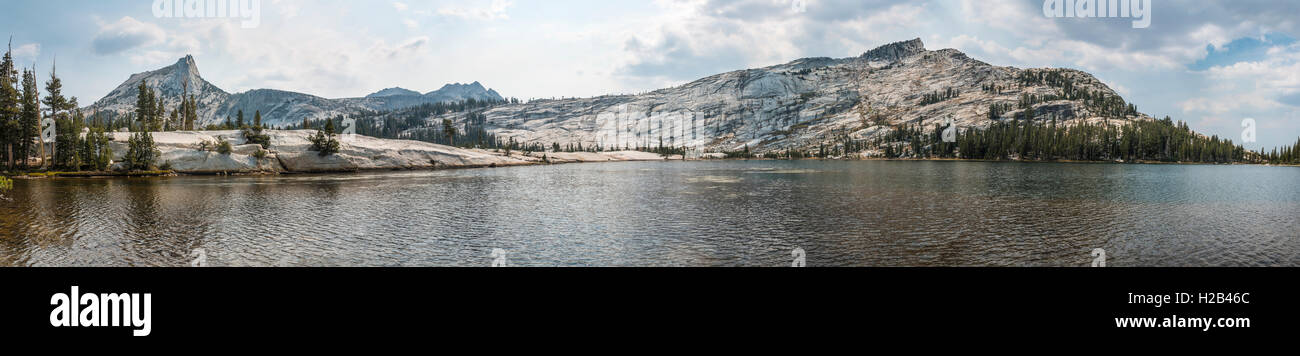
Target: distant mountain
(813, 101)
(462, 92)
(168, 82)
(397, 98)
(278, 107)
(393, 92)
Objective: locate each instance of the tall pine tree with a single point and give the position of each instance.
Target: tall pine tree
(145, 108)
(29, 117)
(9, 108)
(60, 109)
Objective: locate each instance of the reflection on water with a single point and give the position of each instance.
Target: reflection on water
(751, 213)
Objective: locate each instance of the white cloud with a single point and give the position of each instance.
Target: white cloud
(1229, 103)
(496, 10)
(666, 49)
(126, 33)
(400, 6)
(27, 51)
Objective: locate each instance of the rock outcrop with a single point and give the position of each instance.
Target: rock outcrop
(290, 152)
(801, 104)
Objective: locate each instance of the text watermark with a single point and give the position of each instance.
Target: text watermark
(249, 11)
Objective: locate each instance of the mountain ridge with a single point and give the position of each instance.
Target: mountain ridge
(796, 105)
(809, 102)
(278, 107)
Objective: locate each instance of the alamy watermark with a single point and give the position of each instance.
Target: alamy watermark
(78, 309)
(1139, 10)
(200, 258)
(1099, 258)
(48, 133)
(250, 11)
(499, 258)
(1248, 131)
(624, 126)
(349, 132)
(800, 258)
(799, 6)
(950, 133)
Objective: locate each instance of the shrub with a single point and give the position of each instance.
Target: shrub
(223, 147)
(255, 135)
(323, 141)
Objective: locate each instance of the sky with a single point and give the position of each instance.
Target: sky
(1212, 64)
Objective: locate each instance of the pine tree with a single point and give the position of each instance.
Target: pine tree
(9, 108)
(68, 155)
(60, 108)
(323, 141)
(239, 119)
(449, 131)
(30, 116)
(144, 106)
(190, 114)
(141, 151)
(98, 152)
(257, 119)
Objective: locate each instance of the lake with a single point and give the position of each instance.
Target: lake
(707, 213)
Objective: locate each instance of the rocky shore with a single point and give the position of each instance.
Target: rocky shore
(184, 152)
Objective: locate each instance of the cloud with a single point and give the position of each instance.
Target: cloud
(1269, 83)
(1252, 102)
(400, 6)
(741, 34)
(410, 47)
(27, 51)
(126, 33)
(496, 10)
(1292, 99)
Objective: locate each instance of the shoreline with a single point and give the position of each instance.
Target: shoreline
(189, 153)
(172, 173)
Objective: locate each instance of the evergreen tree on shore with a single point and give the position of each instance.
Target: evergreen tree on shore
(29, 118)
(60, 108)
(449, 131)
(9, 108)
(323, 142)
(140, 152)
(146, 108)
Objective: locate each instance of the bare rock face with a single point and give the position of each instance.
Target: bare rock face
(357, 152)
(895, 51)
(290, 152)
(181, 151)
(802, 104)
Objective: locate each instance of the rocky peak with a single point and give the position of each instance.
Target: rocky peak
(458, 92)
(895, 51)
(395, 91)
(170, 83)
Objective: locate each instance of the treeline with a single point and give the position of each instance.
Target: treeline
(1284, 155)
(1047, 140)
(414, 123)
(938, 97)
(26, 117)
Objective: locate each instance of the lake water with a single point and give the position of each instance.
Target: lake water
(728, 213)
